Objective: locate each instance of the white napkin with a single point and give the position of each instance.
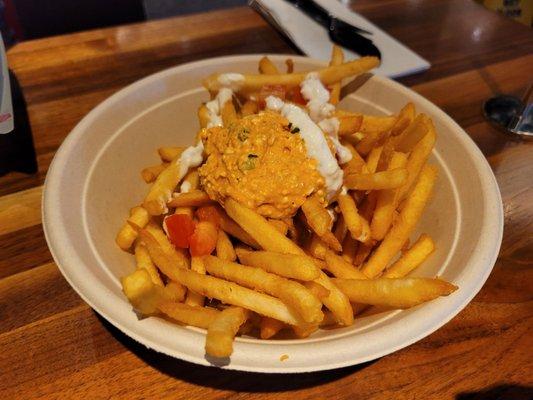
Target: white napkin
(313, 40)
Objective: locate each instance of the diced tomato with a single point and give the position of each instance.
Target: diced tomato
(204, 239)
(270, 90)
(179, 228)
(211, 214)
(295, 96)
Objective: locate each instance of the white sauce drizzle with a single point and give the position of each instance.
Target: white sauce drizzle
(315, 142)
(185, 187)
(317, 97)
(231, 80)
(215, 106)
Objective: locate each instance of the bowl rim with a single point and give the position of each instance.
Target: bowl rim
(60, 255)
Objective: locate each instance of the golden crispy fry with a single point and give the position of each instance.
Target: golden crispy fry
(290, 292)
(162, 252)
(160, 192)
(150, 174)
(377, 123)
(143, 261)
(305, 330)
(267, 67)
(192, 179)
(413, 134)
(281, 226)
(194, 198)
(327, 76)
(337, 58)
(225, 250)
(249, 107)
(363, 251)
(412, 258)
(258, 227)
(340, 268)
(320, 222)
(349, 248)
(369, 141)
(228, 113)
(417, 159)
(389, 179)
(184, 210)
(337, 302)
(232, 293)
(139, 217)
(203, 116)
(318, 290)
(222, 331)
(349, 124)
(397, 293)
(193, 298)
(373, 159)
(317, 248)
(169, 153)
(356, 224)
(340, 229)
(386, 203)
(405, 117)
(200, 317)
(141, 292)
(174, 292)
(357, 164)
(400, 232)
(287, 265)
(269, 327)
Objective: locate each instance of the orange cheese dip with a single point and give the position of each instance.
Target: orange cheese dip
(260, 163)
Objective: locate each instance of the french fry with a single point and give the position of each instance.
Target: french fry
(337, 58)
(413, 134)
(192, 179)
(363, 251)
(225, 250)
(417, 159)
(143, 261)
(201, 317)
(291, 266)
(356, 165)
(139, 217)
(281, 226)
(405, 117)
(193, 298)
(369, 141)
(400, 232)
(373, 159)
(411, 258)
(194, 198)
(394, 292)
(303, 331)
(349, 248)
(356, 224)
(327, 76)
(340, 229)
(267, 67)
(290, 292)
(160, 192)
(340, 268)
(389, 179)
(162, 252)
(386, 203)
(228, 113)
(348, 123)
(169, 153)
(318, 290)
(269, 327)
(377, 123)
(234, 294)
(150, 174)
(175, 292)
(203, 116)
(337, 302)
(317, 248)
(222, 331)
(320, 222)
(249, 107)
(258, 227)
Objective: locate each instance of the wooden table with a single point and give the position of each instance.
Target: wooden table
(52, 345)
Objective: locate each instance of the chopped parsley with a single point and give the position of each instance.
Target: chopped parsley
(250, 162)
(295, 130)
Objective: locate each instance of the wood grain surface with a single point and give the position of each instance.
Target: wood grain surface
(52, 345)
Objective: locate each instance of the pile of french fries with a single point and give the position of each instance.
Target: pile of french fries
(299, 274)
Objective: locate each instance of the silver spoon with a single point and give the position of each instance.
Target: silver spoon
(511, 114)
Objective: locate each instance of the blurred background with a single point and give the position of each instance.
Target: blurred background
(31, 19)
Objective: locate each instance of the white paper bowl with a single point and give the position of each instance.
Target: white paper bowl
(94, 180)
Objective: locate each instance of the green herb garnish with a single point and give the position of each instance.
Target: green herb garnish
(243, 134)
(295, 130)
(250, 162)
